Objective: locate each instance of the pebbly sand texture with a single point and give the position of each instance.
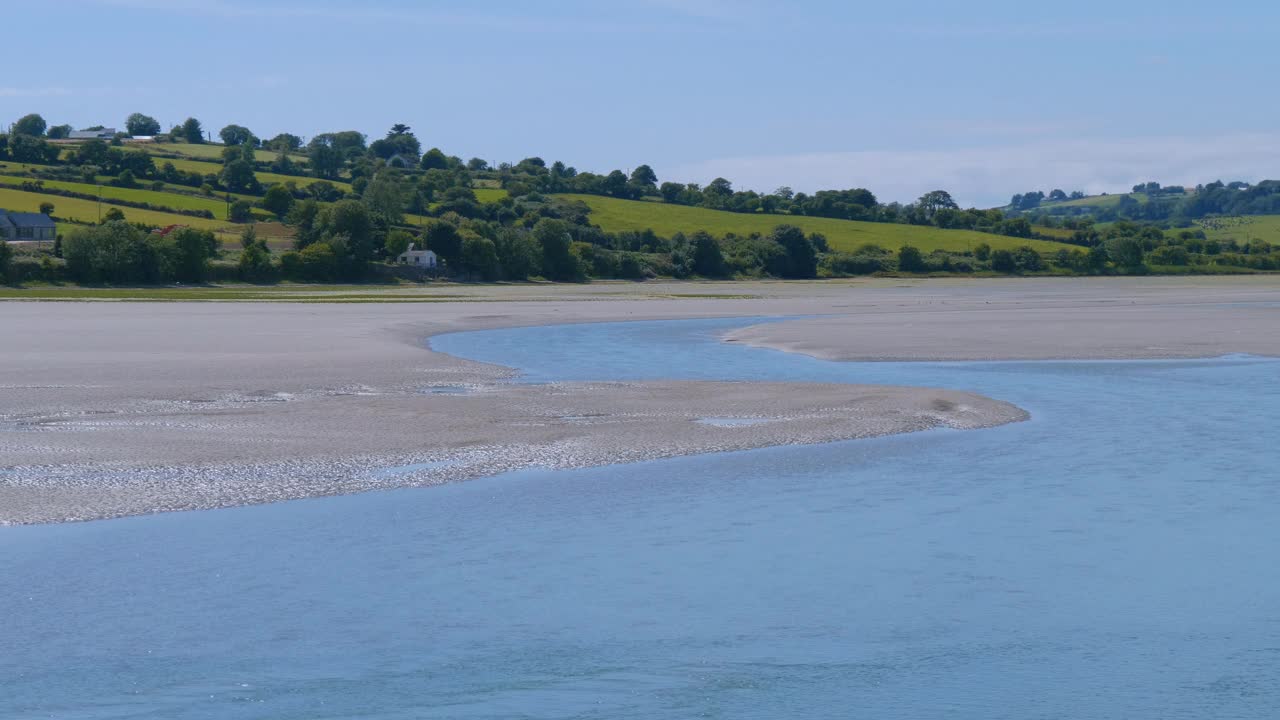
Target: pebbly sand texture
(112, 409)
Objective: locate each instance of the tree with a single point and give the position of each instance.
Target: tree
(254, 264)
(385, 197)
(32, 149)
(59, 132)
(114, 214)
(6, 258)
(644, 177)
(802, 258)
(479, 257)
(558, 263)
(708, 260)
(719, 189)
(115, 252)
(277, 201)
(32, 125)
(518, 253)
(615, 185)
(284, 142)
(1171, 255)
(910, 259)
(671, 191)
(46, 208)
(237, 135)
(1098, 258)
(304, 217)
(349, 143)
(318, 262)
(241, 212)
(397, 242)
(1003, 261)
(933, 201)
(192, 131)
(1125, 252)
(326, 161)
(139, 124)
(434, 159)
(399, 141)
(188, 254)
(350, 219)
(238, 177)
(1027, 259)
(443, 239)
(475, 164)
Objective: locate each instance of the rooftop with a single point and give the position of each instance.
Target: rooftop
(28, 219)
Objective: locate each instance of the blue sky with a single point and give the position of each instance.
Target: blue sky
(981, 98)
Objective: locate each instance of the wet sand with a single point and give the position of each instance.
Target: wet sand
(111, 409)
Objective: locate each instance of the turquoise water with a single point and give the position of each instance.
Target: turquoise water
(1113, 557)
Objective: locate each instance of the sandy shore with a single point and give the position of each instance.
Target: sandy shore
(111, 409)
(1053, 320)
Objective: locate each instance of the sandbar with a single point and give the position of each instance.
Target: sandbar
(110, 409)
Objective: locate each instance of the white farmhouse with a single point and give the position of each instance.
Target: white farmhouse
(418, 258)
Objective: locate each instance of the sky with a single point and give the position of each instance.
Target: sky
(984, 99)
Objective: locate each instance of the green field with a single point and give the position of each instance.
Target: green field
(266, 178)
(489, 195)
(1241, 228)
(614, 215)
(206, 151)
(86, 211)
(217, 206)
(1098, 201)
(203, 151)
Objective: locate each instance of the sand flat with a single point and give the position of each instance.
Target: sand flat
(1044, 319)
(110, 409)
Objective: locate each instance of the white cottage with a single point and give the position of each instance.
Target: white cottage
(418, 258)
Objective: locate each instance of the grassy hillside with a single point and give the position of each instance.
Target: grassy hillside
(489, 195)
(1241, 228)
(178, 201)
(200, 152)
(616, 215)
(205, 167)
(1096, 201)
(86, 211)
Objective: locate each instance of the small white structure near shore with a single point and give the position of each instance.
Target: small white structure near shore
(425, 259)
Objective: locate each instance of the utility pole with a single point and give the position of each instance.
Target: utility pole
(99, 203)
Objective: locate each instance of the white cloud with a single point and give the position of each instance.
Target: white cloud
(989, 176)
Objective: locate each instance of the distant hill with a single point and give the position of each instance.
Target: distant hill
(1151, 202)
(614, 215)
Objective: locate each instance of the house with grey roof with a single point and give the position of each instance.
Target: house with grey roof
(27, 226)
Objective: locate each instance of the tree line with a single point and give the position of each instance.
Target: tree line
(399, 196)
(1170, 205)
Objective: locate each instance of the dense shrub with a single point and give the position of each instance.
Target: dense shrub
(910, 260)
(839, 264)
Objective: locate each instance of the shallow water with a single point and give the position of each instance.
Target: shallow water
(1113, 557)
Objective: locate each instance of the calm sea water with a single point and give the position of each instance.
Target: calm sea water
(1115, 557)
